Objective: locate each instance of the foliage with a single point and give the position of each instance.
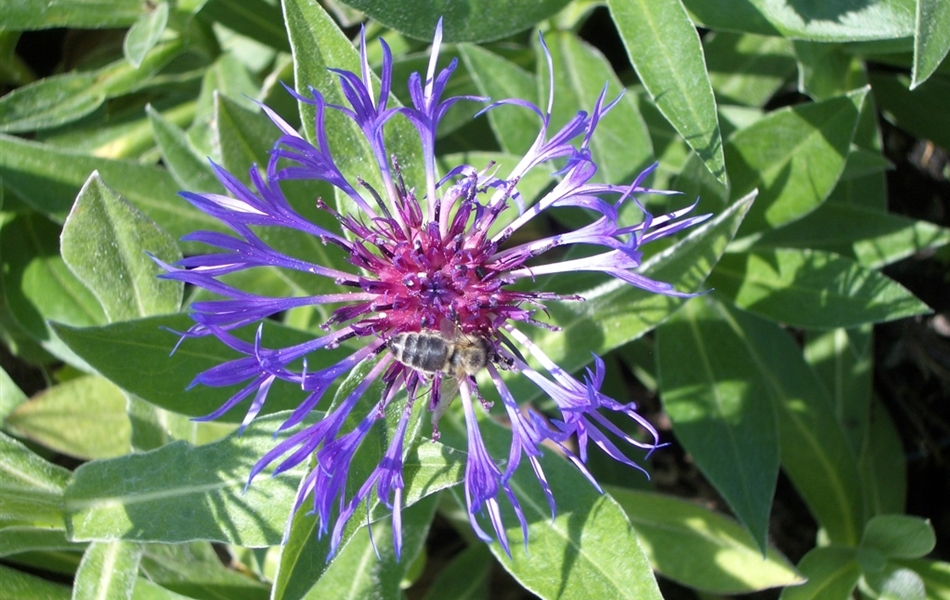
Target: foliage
(778, 98)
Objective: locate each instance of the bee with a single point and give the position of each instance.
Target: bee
(448, 356)
(456, 354)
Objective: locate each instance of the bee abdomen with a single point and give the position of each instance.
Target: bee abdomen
(427, 353)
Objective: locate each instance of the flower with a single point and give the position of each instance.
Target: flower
(432, 286)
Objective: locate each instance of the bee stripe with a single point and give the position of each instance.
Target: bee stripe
(427, 353)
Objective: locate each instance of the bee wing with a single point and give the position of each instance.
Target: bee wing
(448, 329)
(448, 390)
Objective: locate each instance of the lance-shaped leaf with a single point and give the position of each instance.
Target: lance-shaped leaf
(832, 573)
(145, 33)
(931, 38)
(199, 490)
(810, 288)
(38, 285)
(49, 177)
(873, 238)
(680, 536)
(814, 450)
(68, 97)
(820, 21)
(794, 156)
(83, 417)
(105, 242)
(108, 570)
(515, 128)
(723, 417)
(369, 566)
(32, 487)
(666, 52)
(80, 14)
(465, 20)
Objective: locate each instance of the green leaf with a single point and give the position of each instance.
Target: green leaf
(514, 127)
(591, 533)
(368, 567)
(107, 243)
(257, 19)
(466, 577)
(48, 178)
(194, 570)
(135, 356)
(108, 570)
(463, 20)
(862, 162)
(146, 590)
(883, 468)
(679, 538)
(665, 50)
(747, 69)
(68, 96)
(20, 15)
(200, 491)
(825, 71)
(621, 147)
(894, 583)
(38, 285)
(842, 359)
(832, 573)
(17, 584)
(245, 136)
(20, 539)
(60, 99)
(931, 38)
(814, 450)
(20, 343)
(153, 427)
(810, 288)
(83, 417)
(191, 171)
(32, 488)
(145, 33)
(118, 133)
(921, 111)
(794, 157)
(722, 416)
(887, 19)
(862, 183)
(11, 396)
(615, 313)
(899, 536)
(935, 575)
(103, 230)
(873, 238)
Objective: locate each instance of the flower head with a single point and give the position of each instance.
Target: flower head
(431, 295)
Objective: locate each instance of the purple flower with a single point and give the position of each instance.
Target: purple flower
(432, 296)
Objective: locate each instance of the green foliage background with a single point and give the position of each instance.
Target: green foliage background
(769, 113)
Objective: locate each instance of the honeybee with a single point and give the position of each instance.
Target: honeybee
(457, 355)
(448, 355)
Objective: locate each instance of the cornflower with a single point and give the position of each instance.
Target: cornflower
(433, 272)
